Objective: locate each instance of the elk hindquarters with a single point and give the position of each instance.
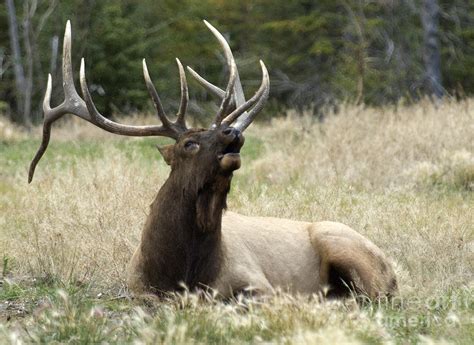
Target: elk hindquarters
(349, 261)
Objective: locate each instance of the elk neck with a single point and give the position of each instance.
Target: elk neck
(181, 242)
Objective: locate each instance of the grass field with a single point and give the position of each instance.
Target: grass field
(404, 177)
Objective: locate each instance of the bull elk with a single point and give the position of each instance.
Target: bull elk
(188, 239)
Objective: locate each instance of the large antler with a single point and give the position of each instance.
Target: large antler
(233, 106)
(237, 103)
(85, 108)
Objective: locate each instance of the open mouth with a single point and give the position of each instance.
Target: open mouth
(229, 159)
(232, 149)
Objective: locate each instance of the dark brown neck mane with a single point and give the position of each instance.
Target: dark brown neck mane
(181, 242)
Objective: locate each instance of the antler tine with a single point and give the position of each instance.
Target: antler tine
(258, 99)
(46, 132)
(238, 97)
(68, 79)
(183, 105)
(262, 95)
(154, 96)
(215, 90)
(238, 91)
(225, 105)
(224, 108)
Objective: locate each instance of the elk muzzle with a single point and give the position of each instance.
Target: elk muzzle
(229, 158)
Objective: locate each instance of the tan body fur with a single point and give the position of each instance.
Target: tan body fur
(263, 254)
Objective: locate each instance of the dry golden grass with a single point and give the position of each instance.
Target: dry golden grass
(404, 177)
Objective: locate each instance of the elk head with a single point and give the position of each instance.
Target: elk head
(200, 153)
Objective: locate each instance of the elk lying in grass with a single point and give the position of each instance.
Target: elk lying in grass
(189, 240)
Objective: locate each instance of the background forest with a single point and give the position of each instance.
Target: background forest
(318, 52)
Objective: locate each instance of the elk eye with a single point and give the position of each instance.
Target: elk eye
(191, 145)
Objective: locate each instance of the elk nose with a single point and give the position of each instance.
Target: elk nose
(230, 133)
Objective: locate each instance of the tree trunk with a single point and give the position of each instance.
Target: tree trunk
(29, 54)
(431, 50)
(17, 64)
(54, 54)
(359, 22)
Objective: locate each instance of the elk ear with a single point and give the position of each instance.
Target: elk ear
(167, 152)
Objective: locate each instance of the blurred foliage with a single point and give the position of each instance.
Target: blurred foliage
(318, 52)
